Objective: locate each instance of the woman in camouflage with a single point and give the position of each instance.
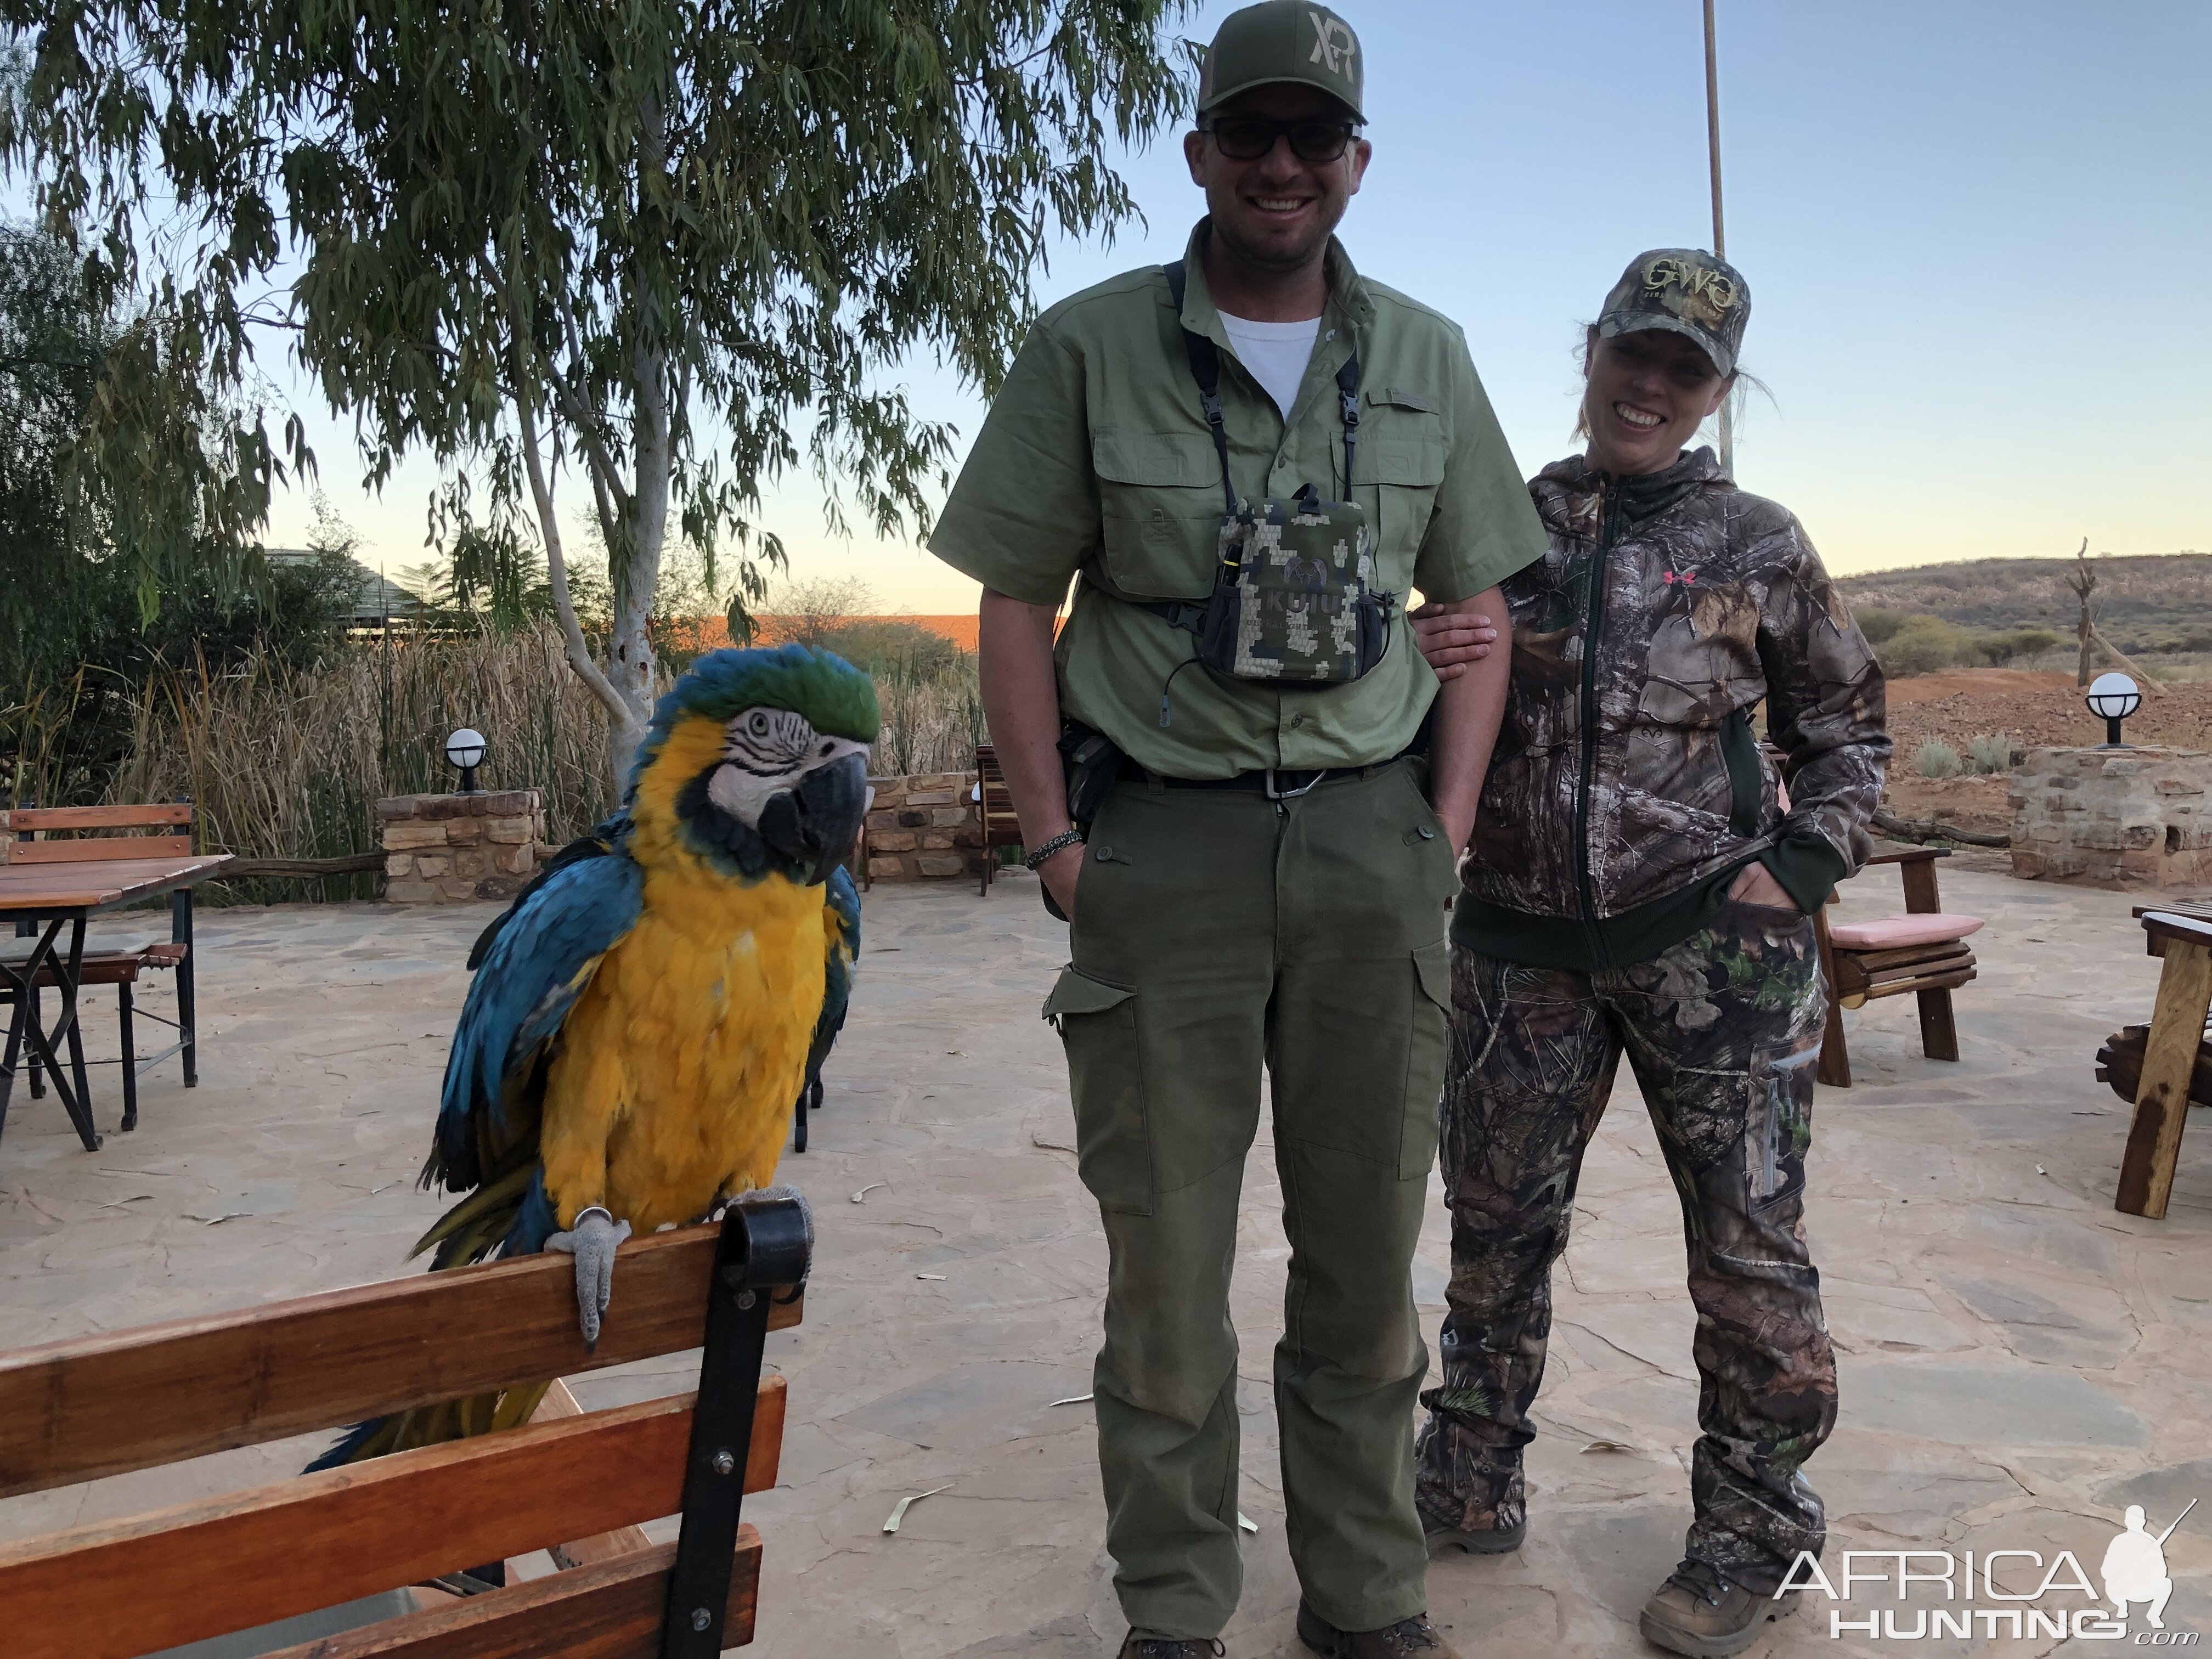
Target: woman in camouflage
(1640, 881)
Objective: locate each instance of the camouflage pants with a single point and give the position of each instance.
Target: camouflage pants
(1721, 1031)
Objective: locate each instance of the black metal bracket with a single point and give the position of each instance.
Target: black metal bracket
(767, 1243)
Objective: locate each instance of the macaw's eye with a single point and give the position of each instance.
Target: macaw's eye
(827, 749)
(759, 724)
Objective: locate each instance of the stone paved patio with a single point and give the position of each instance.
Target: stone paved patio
(2018, 1360)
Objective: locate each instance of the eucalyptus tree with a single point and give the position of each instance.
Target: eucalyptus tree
(663, 251)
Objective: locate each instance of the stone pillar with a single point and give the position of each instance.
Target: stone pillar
(2114, 818)
(448, 849)
(924, 828)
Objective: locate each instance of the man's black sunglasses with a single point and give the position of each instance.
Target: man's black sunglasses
(1246, 137)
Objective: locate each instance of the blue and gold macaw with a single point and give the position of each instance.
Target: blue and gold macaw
(644, 1016)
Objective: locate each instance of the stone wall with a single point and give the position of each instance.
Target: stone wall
(2114, 818)
(446, 849)
(924, 828)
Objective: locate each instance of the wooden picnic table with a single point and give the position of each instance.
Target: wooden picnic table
(2182, 934)
(67, 894)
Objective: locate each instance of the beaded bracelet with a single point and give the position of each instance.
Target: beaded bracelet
(1059, 843)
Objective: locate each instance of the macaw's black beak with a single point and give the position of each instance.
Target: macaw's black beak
(814, 825)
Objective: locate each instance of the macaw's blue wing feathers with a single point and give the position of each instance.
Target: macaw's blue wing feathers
(606, 837)
(534, 971)
(842, 908)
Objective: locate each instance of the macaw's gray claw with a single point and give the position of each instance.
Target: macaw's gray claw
(592, 1241)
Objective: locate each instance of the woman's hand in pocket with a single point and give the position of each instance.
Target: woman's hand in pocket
(1755, 884)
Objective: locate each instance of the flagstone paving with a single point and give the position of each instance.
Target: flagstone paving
(2018, 1361)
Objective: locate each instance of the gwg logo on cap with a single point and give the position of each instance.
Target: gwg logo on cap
(1706, 295)
(1684, 290)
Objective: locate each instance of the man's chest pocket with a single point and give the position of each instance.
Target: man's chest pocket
(1401, 452)
(1159, 495)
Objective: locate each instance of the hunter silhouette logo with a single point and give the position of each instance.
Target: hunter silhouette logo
(2134, 1568)
(1333, 43)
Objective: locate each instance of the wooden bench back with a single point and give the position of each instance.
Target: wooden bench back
(43, 824)
(995, 799)
(76, 1410)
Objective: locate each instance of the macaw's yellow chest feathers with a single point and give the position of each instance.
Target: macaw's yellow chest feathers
(679, 1062)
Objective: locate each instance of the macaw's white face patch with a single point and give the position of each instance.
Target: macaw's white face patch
(766, 752)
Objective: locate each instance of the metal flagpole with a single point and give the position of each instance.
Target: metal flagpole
(1720, 233)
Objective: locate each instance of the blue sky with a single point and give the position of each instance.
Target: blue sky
(1978, 237)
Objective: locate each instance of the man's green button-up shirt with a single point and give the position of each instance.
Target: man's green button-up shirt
(1096, 457)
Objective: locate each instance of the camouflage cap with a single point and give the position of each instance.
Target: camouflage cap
(1687, 291)
(1281, 41)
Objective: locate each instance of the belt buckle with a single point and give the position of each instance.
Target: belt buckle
(1274, 794)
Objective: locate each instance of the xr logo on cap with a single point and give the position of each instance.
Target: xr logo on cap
(1329, 50)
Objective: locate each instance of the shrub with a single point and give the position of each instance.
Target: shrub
(1877, 623)
(1925, 644)
(2001, 648)
(1938, 760)
(1990, 754)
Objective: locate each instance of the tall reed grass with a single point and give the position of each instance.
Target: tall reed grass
(286, 761)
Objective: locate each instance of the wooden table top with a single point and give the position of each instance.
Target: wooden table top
(99, 884)
(2195, 909)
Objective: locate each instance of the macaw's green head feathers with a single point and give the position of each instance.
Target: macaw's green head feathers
(760, 758)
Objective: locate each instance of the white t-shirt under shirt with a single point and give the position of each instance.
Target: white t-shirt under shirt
(1276, 353)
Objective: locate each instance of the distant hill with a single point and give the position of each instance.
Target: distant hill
(2158, 602)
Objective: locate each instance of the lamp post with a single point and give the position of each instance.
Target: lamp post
(2112, 698)
(464, 749)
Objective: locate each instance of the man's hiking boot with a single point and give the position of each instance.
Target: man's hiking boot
(1702, 1613)
(1409, 1638)
(1476, 1540)
(1161, 1647)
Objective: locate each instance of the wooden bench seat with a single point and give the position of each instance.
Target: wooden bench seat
(1923, 951)
(79, 1410)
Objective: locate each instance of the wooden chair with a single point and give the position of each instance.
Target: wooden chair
(55, 835)
(353, 1539)
(1923, 951)
(2173, 1066)
(994, 805)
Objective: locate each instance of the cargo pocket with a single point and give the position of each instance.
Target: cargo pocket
(1404, 463)
(1428, 1048)
(1160, 499)
(1777, 1124)
(1097, 1024)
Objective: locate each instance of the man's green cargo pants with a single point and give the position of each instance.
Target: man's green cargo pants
(1216, 931)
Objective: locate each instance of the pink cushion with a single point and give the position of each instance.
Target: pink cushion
(1893, 932)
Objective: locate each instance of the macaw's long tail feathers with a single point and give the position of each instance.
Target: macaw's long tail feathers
(433, 1425)
(487, 1219)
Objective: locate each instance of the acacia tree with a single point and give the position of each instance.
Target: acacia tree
(634, 244)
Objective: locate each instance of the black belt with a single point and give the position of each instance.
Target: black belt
(1276, 783)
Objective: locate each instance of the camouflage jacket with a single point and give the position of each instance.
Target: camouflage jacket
(1709, 602)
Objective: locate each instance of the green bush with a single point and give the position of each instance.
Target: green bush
(1925, 644)
(1878, 624)
(1938, 760)
(1990, 754)
(2001, 648)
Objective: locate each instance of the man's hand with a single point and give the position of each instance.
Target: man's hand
(1059, 873)
(1451, 640)
(1755, 884)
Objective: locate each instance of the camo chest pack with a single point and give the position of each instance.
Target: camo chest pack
(1294, 600)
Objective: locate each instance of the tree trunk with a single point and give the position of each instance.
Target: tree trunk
(630, 658)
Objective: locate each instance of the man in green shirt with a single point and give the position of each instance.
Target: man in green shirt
(1264, 883)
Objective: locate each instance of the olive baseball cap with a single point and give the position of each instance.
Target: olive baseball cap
(1686, 291)
(1281, 41)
